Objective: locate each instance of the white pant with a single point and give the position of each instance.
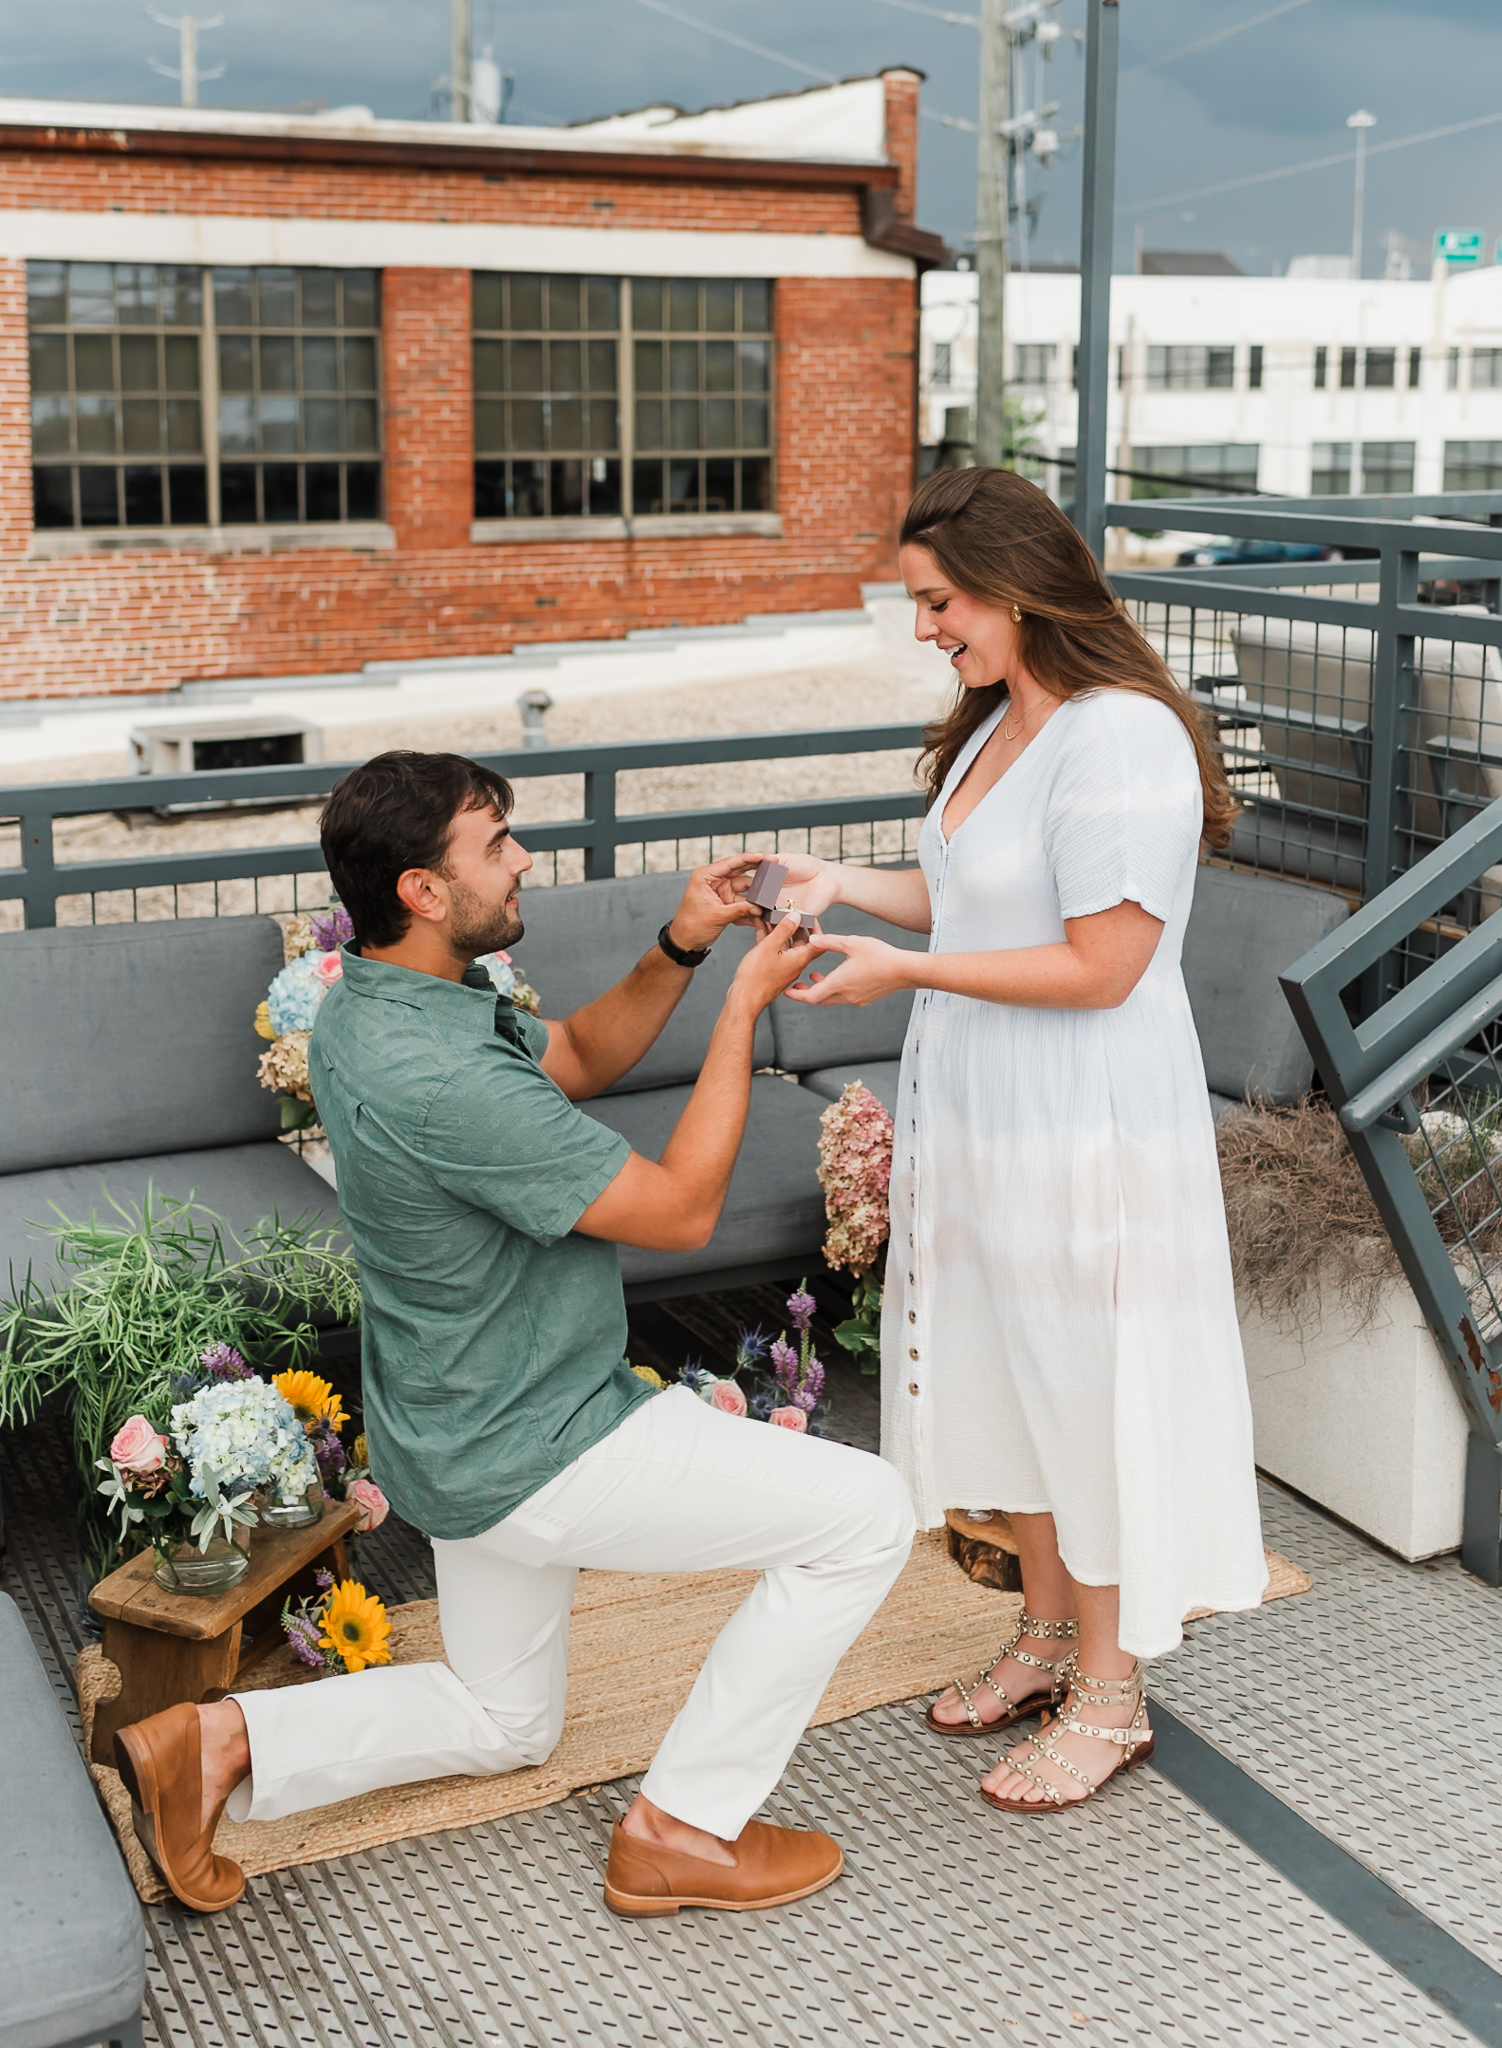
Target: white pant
(678, 1487)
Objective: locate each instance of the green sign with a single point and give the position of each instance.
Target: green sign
(1457, 245)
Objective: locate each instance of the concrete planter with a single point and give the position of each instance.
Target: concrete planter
(1364, 1422)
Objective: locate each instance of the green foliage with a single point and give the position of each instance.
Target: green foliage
(860, 1334)
(146, 1296)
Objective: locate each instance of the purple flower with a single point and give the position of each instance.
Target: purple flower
(324, 1581)
(694, 1375)
(750, 1346)
(785, 1364)
(331, 928)
(329, 1452)
(223, 1362)
(802, 1308)
(807, 1393)
(303, 1635)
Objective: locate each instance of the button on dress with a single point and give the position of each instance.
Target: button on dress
(1059, 1328)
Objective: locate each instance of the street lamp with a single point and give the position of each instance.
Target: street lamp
(1361, 120)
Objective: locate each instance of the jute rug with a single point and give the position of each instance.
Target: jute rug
(636, 1645)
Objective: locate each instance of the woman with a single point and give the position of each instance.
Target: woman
(1059, 1334)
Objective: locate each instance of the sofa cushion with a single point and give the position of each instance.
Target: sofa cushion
(585, 936)
(880, 1076)
(72, 1946)
(775, 1208)
(1243, 932)
(811, 1036)
(125, 1039)
(240, 1183)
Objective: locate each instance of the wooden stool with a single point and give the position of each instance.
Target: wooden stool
(171, 1647)
(984, 1551)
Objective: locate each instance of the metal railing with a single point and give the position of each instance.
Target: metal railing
(1418, 1088)
(38, 876)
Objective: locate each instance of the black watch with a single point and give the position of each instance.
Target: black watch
(680, 956)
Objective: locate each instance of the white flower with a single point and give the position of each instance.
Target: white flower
(242, 1436)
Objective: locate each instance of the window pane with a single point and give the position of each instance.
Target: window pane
(683, 487)
(138, 362)
(490, 428)
(142, 426)
(754, 361)
(527, 429)
(719, 305)
(362, 303)
(49, 362)
(684, 426)
(566, 490)
(135, 295)
(602, 366)
(1220, 368)
(646, 488)
(719, 423)
(47, 306)
(320, 365)
(236, 363)
(95, 425)
(184, 427)
(278, 362)
(529, 490)
(719, 366)
(237, 430)
(646, 304)
(232, 298)
(525, 294)
(362, 490)
(276, 300)
(277, 421)
(526, 366)
(320, 425)
(649, 422)
(51, 428)
(1348, 369)
(360, 364)
(52, 497)
(1381, 369)
(279, 493)
(98, 497)
(683, 365)
(320, 309)
(563, 304)
(321, 486)
(490, 366)
(648, 365)
(755, 423)
(188, 494)
(144, 503)
(756, 484)
(565, 366)
(93, 362)
(683, 302)
(237, 494)
(719, 486)
(756, 306)
(181, 292)
(490, 490)
(91, 297)
(181, 352)
(604, 294)
(361, 426)
(603, 423)
(566, 428)
(485, 308)
(605, 489)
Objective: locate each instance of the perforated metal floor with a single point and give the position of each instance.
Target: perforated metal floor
(1139, 1920)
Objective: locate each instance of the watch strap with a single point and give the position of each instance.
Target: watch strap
(681, 956)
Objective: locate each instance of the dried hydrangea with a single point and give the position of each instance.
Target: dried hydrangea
(283, 1066)
(855, 1172)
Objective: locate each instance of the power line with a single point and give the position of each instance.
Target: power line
(935, 13)
(1318, 163)
(724, 35)
(1220, 36)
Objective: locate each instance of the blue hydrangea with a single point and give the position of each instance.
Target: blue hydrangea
(502, 974)
(293, 997)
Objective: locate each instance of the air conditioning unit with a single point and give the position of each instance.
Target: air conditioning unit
(253, 743)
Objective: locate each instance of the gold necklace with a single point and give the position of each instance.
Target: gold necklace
(1006, 732)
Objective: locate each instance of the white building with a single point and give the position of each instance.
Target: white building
(1290, 384)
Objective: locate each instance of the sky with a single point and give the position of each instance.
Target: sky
(1272, 96)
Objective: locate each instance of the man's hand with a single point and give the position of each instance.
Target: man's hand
(870, 970)
(774, 962)
(812, 884)
(711, 902)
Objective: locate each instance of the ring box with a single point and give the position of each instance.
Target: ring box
(767, 884)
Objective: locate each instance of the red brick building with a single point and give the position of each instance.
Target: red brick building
(283, 396)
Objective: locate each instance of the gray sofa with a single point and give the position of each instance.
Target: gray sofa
(131, 1062)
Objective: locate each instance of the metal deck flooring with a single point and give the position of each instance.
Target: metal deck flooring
(1138, 1920)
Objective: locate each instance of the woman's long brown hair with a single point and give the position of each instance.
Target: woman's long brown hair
(1004, 542)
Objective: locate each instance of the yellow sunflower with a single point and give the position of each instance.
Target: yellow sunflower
(355, 1627)
(645, 1372)
(313, 1400)
(263, 1021)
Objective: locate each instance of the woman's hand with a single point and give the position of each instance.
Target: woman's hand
(870, 970)
(812, 884)
(779, 956)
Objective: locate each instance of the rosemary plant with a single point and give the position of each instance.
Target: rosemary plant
(144, 1298)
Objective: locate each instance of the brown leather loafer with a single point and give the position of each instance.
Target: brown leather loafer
(773, 1866)
(160, 1765)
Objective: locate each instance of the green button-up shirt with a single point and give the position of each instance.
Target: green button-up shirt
(494, 1340)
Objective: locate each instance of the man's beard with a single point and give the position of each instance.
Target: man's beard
(479, 927)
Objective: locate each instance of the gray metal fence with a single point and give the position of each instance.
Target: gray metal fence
(65, 858)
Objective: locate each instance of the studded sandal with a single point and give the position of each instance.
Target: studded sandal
(1094, 1692)
(1058, 1669)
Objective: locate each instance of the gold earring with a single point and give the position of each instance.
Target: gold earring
(1017, 614)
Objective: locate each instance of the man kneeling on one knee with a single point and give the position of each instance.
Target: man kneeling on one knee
(485, 1209)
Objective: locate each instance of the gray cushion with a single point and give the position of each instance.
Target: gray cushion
(133, 1038)
(1222, 1108)
(584, 937)
(775, 1207)
(1243, 932)
(809, 1036)
(240, 1183)
(880, 1076)
(72, 1949)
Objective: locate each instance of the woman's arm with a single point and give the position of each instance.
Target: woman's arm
(896, 895)
(1101, 960)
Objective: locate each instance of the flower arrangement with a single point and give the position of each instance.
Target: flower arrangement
(345, 1474)
(502, 971)
(339, 1628)
(788, 1397)
(855, 1172)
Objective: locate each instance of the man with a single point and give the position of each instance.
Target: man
(503, 1421)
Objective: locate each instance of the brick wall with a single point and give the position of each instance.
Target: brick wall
(154, 617)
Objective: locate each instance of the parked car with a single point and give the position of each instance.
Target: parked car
(1218, 554)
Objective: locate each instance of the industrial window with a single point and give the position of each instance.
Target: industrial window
(621, 396)
(1032, 362)
(1254, 367)
(1473, 466)
(1381, 369)
(116, 418)
(943, 365)
(1486, 369)
(299, 407)
(1387, 465)
(1321, 367)
(1170, 472)
(1348, 358)
(1415, 367)
(1452, 369)
(170, 395)
(1190, 368)
(1330, 469)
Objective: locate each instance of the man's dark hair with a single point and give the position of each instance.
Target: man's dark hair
(398, 812)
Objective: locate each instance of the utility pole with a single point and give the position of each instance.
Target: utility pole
(992, 206)
(1361, 120)
(1102, 43)
(187, 72)
(461, 31)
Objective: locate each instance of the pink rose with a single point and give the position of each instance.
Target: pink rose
(138, 1447)
(789, 1418)
(328, 968)
(372, 1503)
(727, 1397)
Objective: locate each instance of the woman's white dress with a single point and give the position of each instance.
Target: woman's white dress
(1059, 1331)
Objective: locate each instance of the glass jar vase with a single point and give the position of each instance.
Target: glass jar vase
(184, 1568)
(300, 1512)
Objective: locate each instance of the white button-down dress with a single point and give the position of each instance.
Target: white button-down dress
(1059, 1330)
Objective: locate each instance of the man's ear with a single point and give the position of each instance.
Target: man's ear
(423, 894)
